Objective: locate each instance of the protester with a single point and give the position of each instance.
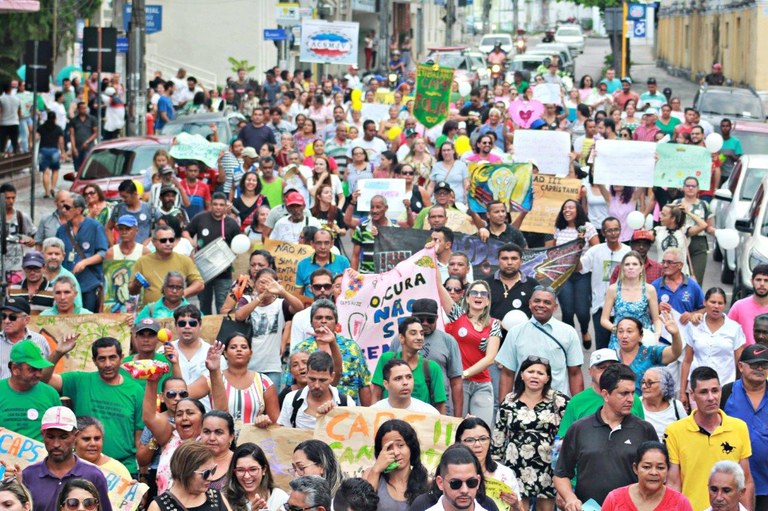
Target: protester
(316, 458)
(253, 486)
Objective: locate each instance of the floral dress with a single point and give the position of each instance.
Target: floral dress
(523, 438)
(624, 309)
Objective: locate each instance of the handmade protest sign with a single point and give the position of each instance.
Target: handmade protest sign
(374, 111)
(351, 432)
(547, 93)
(509, 183)
(523, 113)
(433, 94)
(624, 162)
(287, 256)
(16, 449)
(278, 445)
(494, 488)
(549, 266)
(549, 193)
(196, 147)
(391, 189)
(679, 161)
(550, 150)
(117, 275)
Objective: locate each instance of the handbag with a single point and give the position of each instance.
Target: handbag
(230, 326)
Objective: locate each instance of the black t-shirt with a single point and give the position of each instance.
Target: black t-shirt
(476, 112)
(209, 230)
(517, 297)
(49, 136)
(511, 235)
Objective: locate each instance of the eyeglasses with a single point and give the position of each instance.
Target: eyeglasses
(319, 287)
(479, 440)
(9, 317)
(452, 289)
(184, 322)
(648, 383)
(251, 471)
(171, 394)
(426, 319)
(408, 173)
(87, 194)
(66, 207)
(456, 484)
(166, 240)
(299, 469)
(479, 294)
(667, 262)
(89, 503)
(288, 507)
(207, 473)
(538, 360)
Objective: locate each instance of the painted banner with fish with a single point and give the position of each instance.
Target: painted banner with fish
(511, 184)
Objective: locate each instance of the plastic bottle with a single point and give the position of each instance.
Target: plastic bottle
(556, 450)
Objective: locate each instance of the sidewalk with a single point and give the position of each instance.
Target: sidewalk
(22, 182)
(644, 67)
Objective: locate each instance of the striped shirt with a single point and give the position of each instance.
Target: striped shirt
(247, 404)
(6, 346)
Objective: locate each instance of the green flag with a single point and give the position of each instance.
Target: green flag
(433, 93)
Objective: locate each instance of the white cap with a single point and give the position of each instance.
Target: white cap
(59, 417)
(110, 91)
(602, 355)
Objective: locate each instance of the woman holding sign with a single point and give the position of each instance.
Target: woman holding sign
(699, 221)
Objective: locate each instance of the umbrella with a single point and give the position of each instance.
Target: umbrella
(22, 72)
(68, 72)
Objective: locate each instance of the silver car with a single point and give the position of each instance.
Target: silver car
(753, 242)
(572, 36)
(732, 202)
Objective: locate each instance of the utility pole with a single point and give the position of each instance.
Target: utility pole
(137, 79)
(383, 55)
(450, 19)
(515, 19)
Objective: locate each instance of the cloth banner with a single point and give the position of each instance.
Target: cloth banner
(117, 298)
(196, 147)
(549, 150)
(287, 256)
(509, 183)
(625, 162)
(371, 305)
(549, 193)
(433, 94)
(278, 445)
(350, 432)
(549, 266)
(23, 451)
(329, 43)
(678, 162)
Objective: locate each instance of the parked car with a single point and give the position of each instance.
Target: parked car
(732, 203)
(567, 62)
(753, 136)
(489, 41)
(753, 241)
(528, 63)
(200, 124)
(470, 65)
(715, 103)
(572, 36)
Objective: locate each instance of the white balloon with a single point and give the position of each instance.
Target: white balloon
(636, 220)
(728, 239)
(512, 318)
(465, 88)
(240, 244)
(648, 222)
(714, 142)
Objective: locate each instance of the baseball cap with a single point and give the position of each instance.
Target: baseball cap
(354, 66)
(33, 259)
(651, 81)
(167, 169)
(651, 111)
(294, 199)
(642, 235)
(602, 355)
(410, 132)
(538, 124)
(424, 307)
(443, 185)
(627, 79)
(16, 304)
(168, 189)
(717, 65)
(59, 417)
(127, 221)
(27, 352)
(754, 353)
(147, 324)
(250, 152)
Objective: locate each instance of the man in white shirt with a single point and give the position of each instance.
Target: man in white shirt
(190, 347)
(321, 282)
(459, 478)
(726, 486)
(372, 144)
(289, 227)
(398, 382)
(302, 407)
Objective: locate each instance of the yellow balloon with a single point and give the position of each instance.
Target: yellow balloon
(462, 145)
(357, 105)
(139, 186)
(357, 95)
(394, 132)
(310, 150)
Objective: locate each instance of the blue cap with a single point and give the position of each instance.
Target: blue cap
(538, 124)
(128, 221)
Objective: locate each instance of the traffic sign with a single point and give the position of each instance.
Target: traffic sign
(154, 17)
(122, 45)
(99, 45)
(288, 14)
(275, 34)
(636, 11)
(638, 31)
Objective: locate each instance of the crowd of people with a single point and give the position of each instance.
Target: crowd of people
(673, 379)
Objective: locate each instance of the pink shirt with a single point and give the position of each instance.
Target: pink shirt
(744, 312)
(619, 500)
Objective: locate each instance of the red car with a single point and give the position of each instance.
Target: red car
(110, 163)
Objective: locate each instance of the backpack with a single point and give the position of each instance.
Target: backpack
(298, 401)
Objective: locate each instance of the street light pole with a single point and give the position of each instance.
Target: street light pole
(136, 70)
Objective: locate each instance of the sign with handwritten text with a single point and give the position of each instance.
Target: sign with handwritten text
(287, 256)
(549, 193)
(679, 161)
(278, 445)
(393, 190)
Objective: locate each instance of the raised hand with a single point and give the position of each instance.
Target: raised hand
(213, 359)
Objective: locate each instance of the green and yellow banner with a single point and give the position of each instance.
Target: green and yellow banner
(433, 94)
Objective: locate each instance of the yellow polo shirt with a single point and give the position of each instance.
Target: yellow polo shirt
(696, 452)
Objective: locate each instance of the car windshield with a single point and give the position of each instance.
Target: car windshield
(492, 41)
(115, 162)
(751, 182)
(454, 60)
(194, 128)
(753, 142)
(476, 62)
(740, 106)
(525, 65)
(568, 32)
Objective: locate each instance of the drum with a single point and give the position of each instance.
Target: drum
(214, 259)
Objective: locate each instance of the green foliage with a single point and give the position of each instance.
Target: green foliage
(237, 64)
(21, 27)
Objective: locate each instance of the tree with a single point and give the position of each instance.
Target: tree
(601, 4)
(56, 18)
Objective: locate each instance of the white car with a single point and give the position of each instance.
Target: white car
(753, 241)
(572, 36)
(732, 202)
(488, 42)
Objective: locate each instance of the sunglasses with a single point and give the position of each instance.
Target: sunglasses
(479, 294)
(9, 317)
(191, 322)
(409, 173)
(538, 360)
(325, 287)
(171, 394)
(90, 193)
(451, 289)
(207, 473)
(427, 319)
(89, 503)
(166, 240)
(456, 484)
(66, 207)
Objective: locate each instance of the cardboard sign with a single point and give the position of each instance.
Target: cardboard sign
(547, 93)
(549, 193)
(287, 256)
(278, 445)
(24, 451)
(196, 147)
(117, 275)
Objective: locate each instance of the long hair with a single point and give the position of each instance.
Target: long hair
(320, 453)
(257, 190)
(233, 490)
(315, 209)
(636, 255)
(581, 216)
(528, 362)
(485, 316)
(418, 478)
(626, 194)
(471, 423)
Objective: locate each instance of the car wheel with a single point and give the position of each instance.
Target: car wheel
(726, 274)
(717, 255)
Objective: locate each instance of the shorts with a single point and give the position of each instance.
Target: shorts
(50, 158)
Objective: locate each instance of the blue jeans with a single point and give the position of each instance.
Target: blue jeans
(214, 289)
(602, 336)
(478, 400)
(276, 380)
(575, 297)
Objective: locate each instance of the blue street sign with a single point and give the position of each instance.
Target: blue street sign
(154, 17)
(275, 34)
(122, 45)
(636, 11)
(639, 29)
